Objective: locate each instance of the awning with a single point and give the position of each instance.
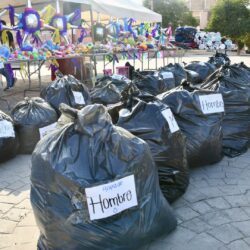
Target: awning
(22, 3)
(121, 9)
(114, 8)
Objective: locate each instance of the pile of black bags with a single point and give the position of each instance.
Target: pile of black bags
(203, 70)
(233, 82)
(9, 142)
(30, 116)
(68, 167)
(154, 122)
(203, 130)
(96, 185)
(68, 90)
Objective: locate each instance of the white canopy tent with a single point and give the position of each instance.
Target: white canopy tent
(121, 9)
(22, 3)
(114, 8)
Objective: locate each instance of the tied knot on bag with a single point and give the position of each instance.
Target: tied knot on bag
(94, 119)
(90, 120)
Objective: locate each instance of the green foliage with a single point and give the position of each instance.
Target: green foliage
(247, 40)
(231, 18)
(173, 11)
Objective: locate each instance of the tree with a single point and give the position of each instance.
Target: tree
(231, 18)
(247, 41)
(172, 11)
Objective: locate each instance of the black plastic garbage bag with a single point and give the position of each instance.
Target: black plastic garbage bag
(121, 83)
(193, 77)
(178, 72)
(108, 90)
(233, 83)
(202, 68)
(68, 90)
(154, 123)
(244, 67)
(219, 59)
(153, 84)
(203, 130)
(243, 73)
(85, 181)
(108, 94)
(33, 117)
(9, 142)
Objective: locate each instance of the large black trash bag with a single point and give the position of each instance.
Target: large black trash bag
(86, 153)
(68, 90)
(106, 95)
(178, 72)
(153, 84)
(193, 77)
(203, 131)
(9, 142)
(120, 84)
(152, 122)
(108, 90)
(219, 59)
(243, 71)
(30, 116)
(233, 83)
(202, 68)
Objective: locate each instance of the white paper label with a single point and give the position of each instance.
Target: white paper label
(79, 99)
(112, 198)
(211, 104)
(45, 130)
(167, 75)
(168, 115)
(156, 74)
(118, 77)
(121, 78)
(6, 129)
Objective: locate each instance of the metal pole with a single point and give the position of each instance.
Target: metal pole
(92, 24)
(93, 37)
(29, 74)
(39, 74)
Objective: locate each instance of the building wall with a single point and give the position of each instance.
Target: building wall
(201, 10)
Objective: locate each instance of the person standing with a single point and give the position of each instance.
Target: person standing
(8, 69)
(4, 55)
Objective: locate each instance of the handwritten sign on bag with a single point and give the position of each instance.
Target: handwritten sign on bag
(111, 198)
(211, 104)
(168, 115)
(79, 99)
(6, 129)
(45, 130)
(167, 75)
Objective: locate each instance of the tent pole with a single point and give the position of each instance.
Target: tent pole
(93, 37)
(92, 24)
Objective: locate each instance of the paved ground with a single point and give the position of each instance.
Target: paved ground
(213, 214)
